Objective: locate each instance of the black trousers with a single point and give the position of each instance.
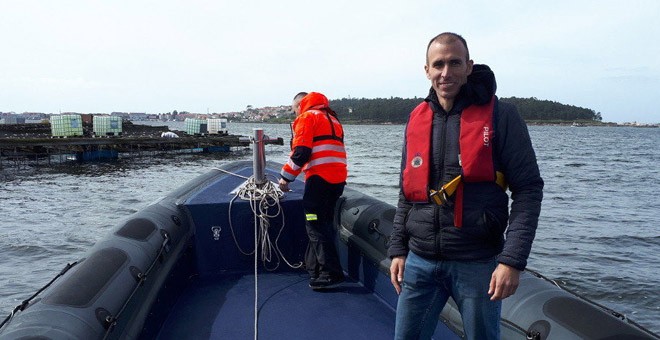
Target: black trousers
(319, 200)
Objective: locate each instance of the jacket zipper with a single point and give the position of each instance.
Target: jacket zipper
(436, 208)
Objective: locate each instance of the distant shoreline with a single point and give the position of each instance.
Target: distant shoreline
(575, 123)
(529, 123)
(591, 124)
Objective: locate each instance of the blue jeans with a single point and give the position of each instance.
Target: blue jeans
(427, 284)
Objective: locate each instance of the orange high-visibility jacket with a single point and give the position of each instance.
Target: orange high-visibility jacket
(319, 130)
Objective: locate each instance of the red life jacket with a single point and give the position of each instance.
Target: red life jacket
(476, 152)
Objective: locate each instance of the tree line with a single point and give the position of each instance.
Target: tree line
(395, 110)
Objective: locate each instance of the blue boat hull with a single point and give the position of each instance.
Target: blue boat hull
(183, 268)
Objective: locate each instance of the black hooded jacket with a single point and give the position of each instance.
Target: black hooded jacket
(428, 229)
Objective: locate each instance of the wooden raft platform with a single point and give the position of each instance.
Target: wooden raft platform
(109, 147)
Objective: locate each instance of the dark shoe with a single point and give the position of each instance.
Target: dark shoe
(325, 282)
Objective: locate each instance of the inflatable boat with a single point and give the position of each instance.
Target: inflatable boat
(220, 258)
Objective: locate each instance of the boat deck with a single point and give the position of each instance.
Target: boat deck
(223, 308)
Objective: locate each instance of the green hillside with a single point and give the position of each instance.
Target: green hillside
(395, 110)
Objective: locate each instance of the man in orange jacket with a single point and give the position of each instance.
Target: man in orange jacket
(318, 150)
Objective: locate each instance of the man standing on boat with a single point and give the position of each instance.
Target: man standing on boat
(453, 235)
(318, 150)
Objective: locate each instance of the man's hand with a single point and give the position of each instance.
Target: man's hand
(396, 272)
(503, 282)
(284, 185)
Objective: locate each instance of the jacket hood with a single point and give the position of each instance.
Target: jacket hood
(481, 85)
(479, 89)
(314, 100)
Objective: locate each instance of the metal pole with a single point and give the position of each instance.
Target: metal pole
(259, 157)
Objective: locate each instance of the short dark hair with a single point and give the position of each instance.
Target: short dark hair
(448, 37)
(299, 95)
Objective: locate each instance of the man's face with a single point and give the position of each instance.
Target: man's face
(295, 105)
(448, 69)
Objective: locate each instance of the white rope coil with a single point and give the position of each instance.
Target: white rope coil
(265, 204)
(262, 199)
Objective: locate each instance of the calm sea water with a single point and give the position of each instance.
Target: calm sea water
(599, 230)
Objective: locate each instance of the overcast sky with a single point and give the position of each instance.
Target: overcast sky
(220, 56)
